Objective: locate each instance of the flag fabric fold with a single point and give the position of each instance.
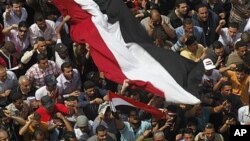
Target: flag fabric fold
(120, 60)
(117, 100)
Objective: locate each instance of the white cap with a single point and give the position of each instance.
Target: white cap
(208, 64)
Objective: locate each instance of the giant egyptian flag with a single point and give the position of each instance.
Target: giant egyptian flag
(120, 58)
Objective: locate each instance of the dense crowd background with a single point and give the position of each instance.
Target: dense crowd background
(50, 88)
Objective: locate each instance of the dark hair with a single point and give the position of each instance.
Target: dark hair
(66, 65)
(241, 68)
(36, 116)
(15, 2)
(192, 121)
(100, 128)
(209, 126)
(40, 38)
(240, 44)
(38, 17)
(172, 108)
(68, 135)
(88, 84)
(38, 132)
(234, 25)
(41, 56)
(23, 24)
(187, 21)
(188, 131)
(14, 96)
(132, 112)
(201, 5)
(71, 98)
(178, 2)
(226, 83)
(217, 45)
(190, 40)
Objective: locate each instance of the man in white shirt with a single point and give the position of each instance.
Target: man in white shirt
(69, 81)
(50, 88)
(14, 13)
(44, 28)
(244, 114)
(61, 54)
(228, 36)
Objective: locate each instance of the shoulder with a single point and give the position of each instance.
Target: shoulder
(41, 90)
(214, 15)
(166, 18)
(33, 27)
(111, 137)
(50, 22)
(11, 74)
(242, 109)
(145, 124)
(197, 28)
(93, 138)
(145, 21)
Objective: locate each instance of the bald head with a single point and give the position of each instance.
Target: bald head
(22, 79)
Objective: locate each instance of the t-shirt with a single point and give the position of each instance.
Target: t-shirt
(46, 117)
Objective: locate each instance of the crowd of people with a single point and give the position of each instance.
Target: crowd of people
(51, 89)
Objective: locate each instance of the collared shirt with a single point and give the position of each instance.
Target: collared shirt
(213, 78)
(192, 56)
(128, 134)
(43, 92)
(68, 86)
(227, 40)
(14, 19)
(21, 46)
(9, 84)
(48, 34)
(239, 87)
(244, 115)
(36, 75)
(197, 32)
(234, 58)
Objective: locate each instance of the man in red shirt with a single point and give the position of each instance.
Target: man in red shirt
(49, 108)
